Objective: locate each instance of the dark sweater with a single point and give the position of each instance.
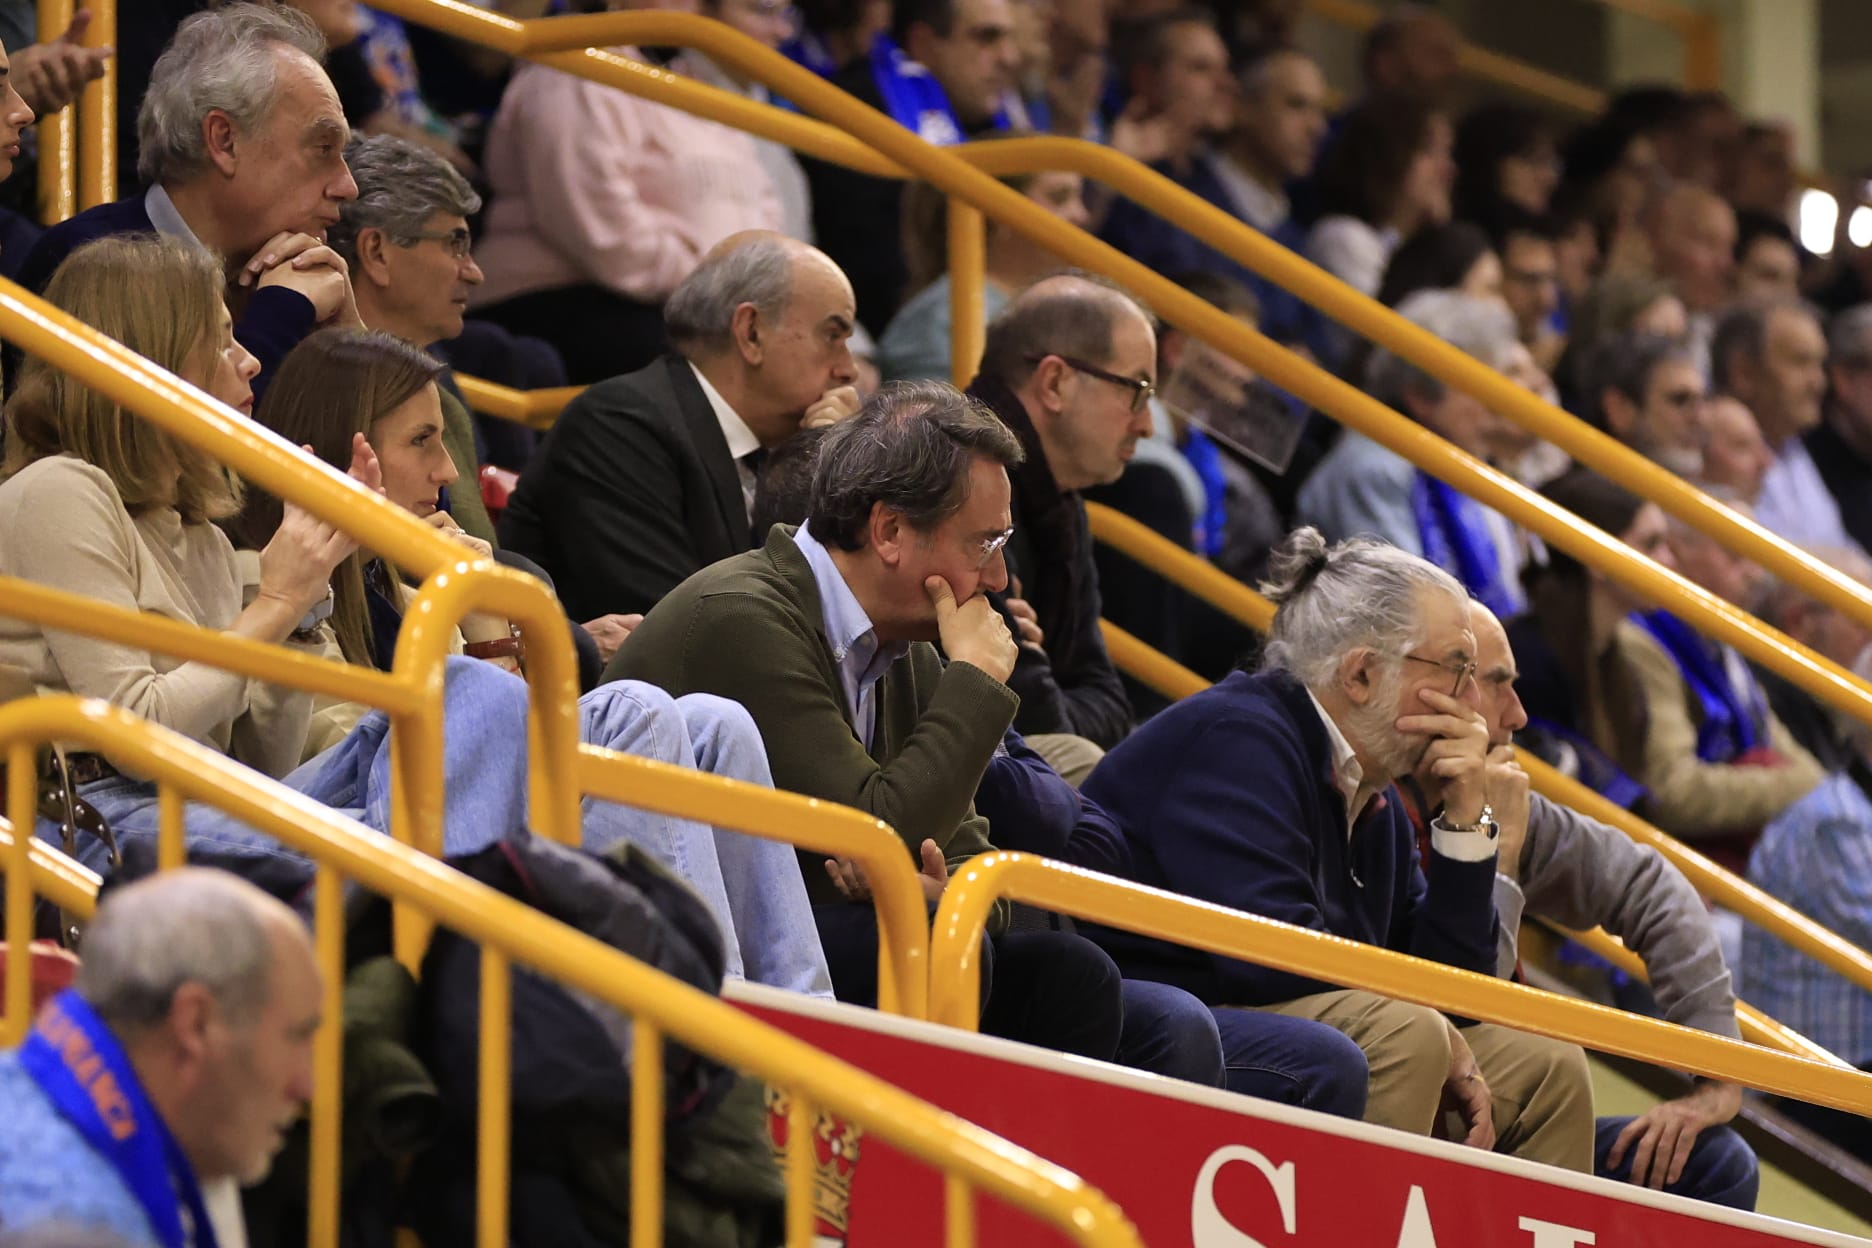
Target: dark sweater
(1228, 797)
(273, 322)
(1072, 687)
(751, 628)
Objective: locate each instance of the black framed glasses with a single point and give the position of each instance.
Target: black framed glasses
(1463, 670)
(1141, 390)
(458, 242)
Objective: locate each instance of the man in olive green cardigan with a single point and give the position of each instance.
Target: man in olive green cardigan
(825, 634)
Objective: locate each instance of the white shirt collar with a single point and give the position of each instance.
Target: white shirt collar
(165, 216)
(1347, 773)
(1266, 208)
(741, 439)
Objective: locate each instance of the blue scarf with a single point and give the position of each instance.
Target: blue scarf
(86, 1075)
(1453, 530)
(1731, 716)
(1207, 461)
(913, 97)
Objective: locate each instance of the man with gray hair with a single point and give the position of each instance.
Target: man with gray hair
(242, 151)
(1650, 395)
(1772, 357)
(649, 477)
(180, 1058)
(1271, 794)
(826, 634)
(1363, 489)
(405, 240)
(1841, 446)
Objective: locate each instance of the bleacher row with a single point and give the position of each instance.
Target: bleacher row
(942, 524)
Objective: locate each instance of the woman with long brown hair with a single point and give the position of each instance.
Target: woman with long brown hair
(341, 385)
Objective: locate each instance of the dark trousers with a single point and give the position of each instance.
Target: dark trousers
(598, 332)
(1050, 989)
(1722, 1168)
(1293, 1061)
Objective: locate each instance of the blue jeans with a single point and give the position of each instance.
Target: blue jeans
(1294, 1061)
(753, 887)
(1168, 1032)
(1721, 1169)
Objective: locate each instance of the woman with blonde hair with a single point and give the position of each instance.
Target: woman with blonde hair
(340, 385)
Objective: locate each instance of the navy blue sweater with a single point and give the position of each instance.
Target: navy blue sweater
(274, 321)
(1227, 796)
(1031, 808)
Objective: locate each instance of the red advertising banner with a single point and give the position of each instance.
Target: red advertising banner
(1197, 1168)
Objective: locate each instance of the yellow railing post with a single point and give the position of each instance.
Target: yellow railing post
(967, 275)
(97, 114)
(22, 798)
(511, 932)
(58, 133)
(973, 892)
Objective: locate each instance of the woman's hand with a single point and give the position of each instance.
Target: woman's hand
(296, 566)
(444, 524)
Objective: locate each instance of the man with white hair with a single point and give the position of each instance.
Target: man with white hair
(649, 477)
(1556, 864)
(241, 145)
(1363, 489)
(181, 1058)
(1271, 794)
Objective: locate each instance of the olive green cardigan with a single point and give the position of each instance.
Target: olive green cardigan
(750, 628)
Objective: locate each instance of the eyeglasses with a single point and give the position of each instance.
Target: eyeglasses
(991, 546)
(1462, 669)
(458, 242)
(1141, 390)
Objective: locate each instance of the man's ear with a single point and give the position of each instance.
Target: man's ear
(373, 259)
(1358, 678)
(1049, 384)
(889, 534)
(193, 1013)
(1621, 414)
(218, 136)
(745, 325)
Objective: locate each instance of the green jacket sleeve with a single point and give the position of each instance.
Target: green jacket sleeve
(465, 495)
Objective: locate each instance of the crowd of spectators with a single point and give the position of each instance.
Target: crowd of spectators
(780, 570)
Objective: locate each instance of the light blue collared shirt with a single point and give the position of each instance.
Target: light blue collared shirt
(861, 660)
(164, 215)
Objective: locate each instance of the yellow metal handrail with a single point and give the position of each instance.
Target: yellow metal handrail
(955, 963)
(1174, 681)
(1199, 577)
(412, 693)
(58, 134)
(510, 932)
(963, 174)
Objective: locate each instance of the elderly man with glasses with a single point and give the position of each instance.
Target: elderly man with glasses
(405, 238)
(1070, 367)
(1272, 794)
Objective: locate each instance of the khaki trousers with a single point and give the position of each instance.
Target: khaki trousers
(1541, 1088)
(1073, 757)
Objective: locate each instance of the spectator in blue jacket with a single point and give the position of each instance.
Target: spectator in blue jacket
(241, 146)
(1272, 794)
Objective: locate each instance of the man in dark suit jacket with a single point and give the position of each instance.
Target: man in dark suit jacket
(648, 478)
(255, 176)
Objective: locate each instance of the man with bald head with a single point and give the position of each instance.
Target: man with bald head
(1693, 237)
(179, 1059)
(1070, 366)
(649, 477)
(1553, 863)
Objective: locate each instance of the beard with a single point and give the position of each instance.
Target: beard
(1374, 728)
